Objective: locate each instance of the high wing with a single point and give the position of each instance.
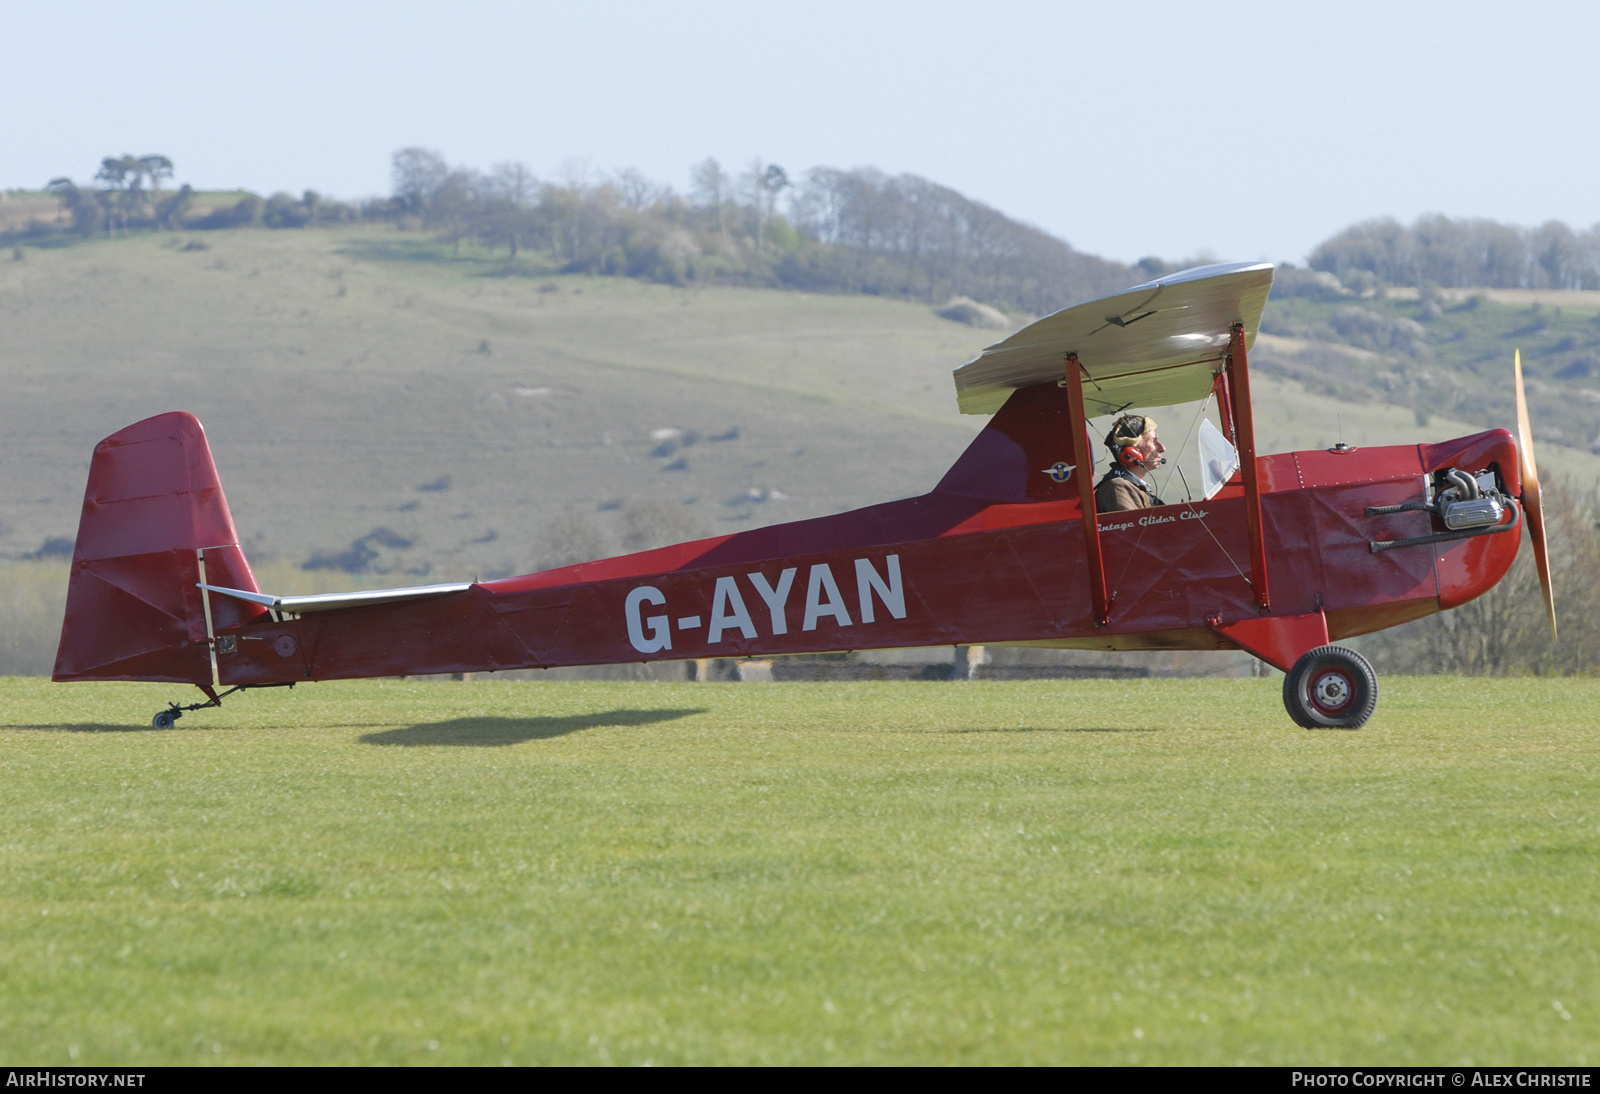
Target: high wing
(1156, 344)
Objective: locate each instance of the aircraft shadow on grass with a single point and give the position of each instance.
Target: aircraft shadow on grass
(88, 727)
(1053, 729)
(496, 732)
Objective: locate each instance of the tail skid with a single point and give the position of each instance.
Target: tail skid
(166, 719)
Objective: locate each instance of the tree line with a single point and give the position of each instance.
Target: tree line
(858, 231)
(825, 229)
(1465, 253)
(126, 195)
(828, 230)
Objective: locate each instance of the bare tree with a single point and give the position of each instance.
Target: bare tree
(417, 174)
(763, 182)
(577, 173)
(567, 540)
(650, 524)
(513, 182)
(638, 191)
(1556, 252)
(453, 203)
(820, 204)
(708, 186)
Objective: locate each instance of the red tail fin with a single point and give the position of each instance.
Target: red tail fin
(153, 515)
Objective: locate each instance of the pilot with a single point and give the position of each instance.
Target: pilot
(1135, 452)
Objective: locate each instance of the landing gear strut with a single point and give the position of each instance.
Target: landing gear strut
(166, 719)
(1331, 688)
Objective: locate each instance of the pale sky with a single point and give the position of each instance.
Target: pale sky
(1242, 130)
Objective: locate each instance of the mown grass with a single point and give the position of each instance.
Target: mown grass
(1090, 872)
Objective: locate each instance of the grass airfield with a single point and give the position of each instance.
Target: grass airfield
(1160, 871)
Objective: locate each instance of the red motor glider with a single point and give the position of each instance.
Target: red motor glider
(1277, 558)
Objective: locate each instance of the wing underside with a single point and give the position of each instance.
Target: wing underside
(1153, 345)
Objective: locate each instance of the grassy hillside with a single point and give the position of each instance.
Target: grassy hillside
(367, 385)
(334, 386)
(1448, 357)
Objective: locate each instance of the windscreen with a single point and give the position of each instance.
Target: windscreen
(1218, 459)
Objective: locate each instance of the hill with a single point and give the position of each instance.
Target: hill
(1444, 353)
(852, 231)
(352, 382)
(385, 408)
(345, 392)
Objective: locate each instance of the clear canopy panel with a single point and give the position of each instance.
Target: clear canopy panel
(1218, 459)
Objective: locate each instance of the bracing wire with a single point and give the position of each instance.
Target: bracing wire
(1188, 503)
(1198, 515)
(1205, 404)
(1182, 447)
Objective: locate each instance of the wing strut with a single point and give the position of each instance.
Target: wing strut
(1244, 423)
(1224, 393)
(1078, 423)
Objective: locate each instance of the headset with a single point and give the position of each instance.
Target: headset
(1131, 427)
(1130, 457)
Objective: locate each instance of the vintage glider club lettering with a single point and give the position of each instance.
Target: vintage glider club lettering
(1149, 519)
(1280, 555)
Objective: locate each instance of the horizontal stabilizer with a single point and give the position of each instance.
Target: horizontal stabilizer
(328, 602)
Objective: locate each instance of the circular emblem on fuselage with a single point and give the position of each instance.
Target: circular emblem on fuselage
(1060, 472)
(285, 645)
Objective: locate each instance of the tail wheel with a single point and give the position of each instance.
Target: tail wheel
(1331, 688)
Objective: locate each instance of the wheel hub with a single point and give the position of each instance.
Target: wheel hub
(1332, 691)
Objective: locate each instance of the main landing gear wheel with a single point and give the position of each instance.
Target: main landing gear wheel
(1331, 688)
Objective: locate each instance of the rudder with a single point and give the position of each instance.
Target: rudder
(153, 515)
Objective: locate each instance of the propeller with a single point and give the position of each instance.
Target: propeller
(1531, 503)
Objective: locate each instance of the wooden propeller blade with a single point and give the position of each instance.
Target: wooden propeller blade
(1532, 505)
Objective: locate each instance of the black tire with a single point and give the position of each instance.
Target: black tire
(1331, 688)
(165, 720)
